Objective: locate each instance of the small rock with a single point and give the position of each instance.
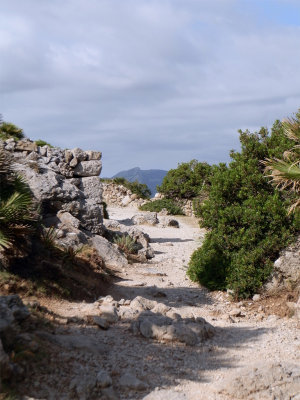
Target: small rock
(122, 302)
(101, 322)
(109, 313)
(103, 379)
(236, 312)
(130, 381)
(256, 297)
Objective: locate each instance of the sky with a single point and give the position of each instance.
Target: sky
(150, 83)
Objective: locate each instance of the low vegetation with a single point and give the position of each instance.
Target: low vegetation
(41, 143)
(172, 207)
(126, 244)
(247, 218)
(187, 181)
(9, 130)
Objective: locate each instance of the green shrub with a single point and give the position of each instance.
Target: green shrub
(247, 218)
(157, 205)
(186, 181)
(9, 130)
(41, 143)
(126, 244)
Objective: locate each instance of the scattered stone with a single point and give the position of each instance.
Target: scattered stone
(256, 297)
(236, 312)
(130, 381)
(109, 313)
(103, 379)
(101, 322)
(147, 217)
(188, 331)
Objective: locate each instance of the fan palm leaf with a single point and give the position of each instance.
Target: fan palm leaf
(285, 173)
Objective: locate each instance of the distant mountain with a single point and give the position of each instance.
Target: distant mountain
(151, 177)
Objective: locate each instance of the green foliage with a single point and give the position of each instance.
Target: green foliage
(246, 217)
(41, 143)
(17, 210)
(285, 172)
(126, 244)
(9, 130)
(140, 189)
(186, 181)
(157, 205)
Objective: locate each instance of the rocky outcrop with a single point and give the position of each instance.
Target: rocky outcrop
(286, 273)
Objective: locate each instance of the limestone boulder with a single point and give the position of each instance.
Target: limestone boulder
(108, 252)
(88, 168)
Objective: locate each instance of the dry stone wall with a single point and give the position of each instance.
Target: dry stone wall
(61, 180)
(119, 196)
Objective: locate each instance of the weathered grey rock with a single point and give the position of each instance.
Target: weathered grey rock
(286, 273)
(68, 219)
(26, 144)
(109, 313)
(188, 331)
(93, 155)
(91, 188)
(103, 379)
(109, 253)
(101, 322)
(130, 381)
(256, 297)
(126, 200)
(73, 163)
(79, 154)
(147, 217)
(264, 381)
(88, 168)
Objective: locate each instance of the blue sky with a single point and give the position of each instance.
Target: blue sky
(150, 83)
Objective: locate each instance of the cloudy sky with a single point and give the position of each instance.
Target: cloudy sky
(150, 83)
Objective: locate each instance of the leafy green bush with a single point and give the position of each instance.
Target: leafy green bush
(247, 218)
(157, 205)
(9, 130)
(41, 143)
(186, 181)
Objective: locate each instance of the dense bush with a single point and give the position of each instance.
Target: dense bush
(157, 205)
(246, 217)
(140, 189)
(186, 181)
(41, 143)
(9, 130)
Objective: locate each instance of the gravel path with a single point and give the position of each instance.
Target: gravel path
(244, 339)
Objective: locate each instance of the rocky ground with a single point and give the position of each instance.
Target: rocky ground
(156, 335)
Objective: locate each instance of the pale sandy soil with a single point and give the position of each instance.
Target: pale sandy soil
(170, 370)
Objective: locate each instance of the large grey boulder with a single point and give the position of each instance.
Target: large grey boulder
(286, 273)
(189, 331)
(88, 168)
(57, 193)
(146, 217)
(108, 252)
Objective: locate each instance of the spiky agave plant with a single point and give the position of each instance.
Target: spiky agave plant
(17, 209)
(285, 172)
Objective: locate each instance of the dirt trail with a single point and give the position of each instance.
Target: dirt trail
(167, 370)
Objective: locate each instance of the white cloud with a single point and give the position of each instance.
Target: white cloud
(147, 81)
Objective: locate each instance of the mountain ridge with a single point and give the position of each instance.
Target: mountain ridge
(150, 177)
